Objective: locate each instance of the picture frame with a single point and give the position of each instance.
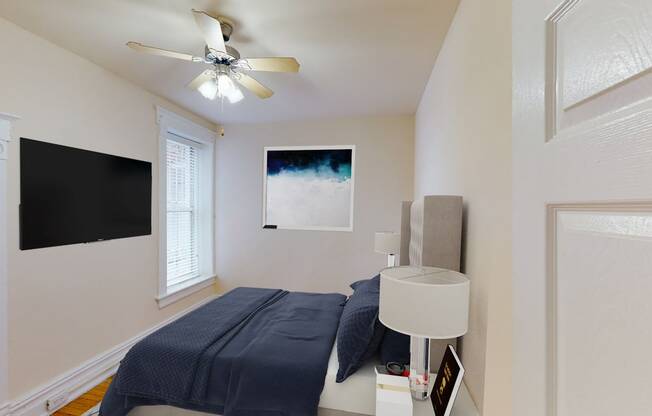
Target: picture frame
(309, 187)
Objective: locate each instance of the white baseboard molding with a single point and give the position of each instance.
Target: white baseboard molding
(83, 378)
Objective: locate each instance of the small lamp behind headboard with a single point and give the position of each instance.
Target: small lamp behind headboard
(388, 243)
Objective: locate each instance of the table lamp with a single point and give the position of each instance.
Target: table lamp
(388, 243)
(425, 303)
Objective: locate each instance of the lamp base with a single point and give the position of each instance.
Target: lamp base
(420, 368)
(391, 260)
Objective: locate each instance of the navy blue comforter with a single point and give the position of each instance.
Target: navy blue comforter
(250, 352)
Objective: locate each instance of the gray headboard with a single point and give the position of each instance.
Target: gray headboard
(431, 232)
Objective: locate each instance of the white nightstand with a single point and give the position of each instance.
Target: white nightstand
(463, 406)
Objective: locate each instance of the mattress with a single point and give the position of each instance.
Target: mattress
(356, 395)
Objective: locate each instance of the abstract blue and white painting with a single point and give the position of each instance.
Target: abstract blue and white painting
(309, 187)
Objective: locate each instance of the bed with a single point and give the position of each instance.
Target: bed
(356, 396)
(259, 351)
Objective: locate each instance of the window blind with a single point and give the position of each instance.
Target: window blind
(182, 234)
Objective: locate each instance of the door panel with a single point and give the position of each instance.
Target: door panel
(599, 59)
(582, 132)
(600, 286)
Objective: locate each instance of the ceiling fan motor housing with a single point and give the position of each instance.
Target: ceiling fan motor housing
(227, 27)
(232, 54)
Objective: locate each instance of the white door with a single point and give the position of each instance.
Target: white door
(582, 207)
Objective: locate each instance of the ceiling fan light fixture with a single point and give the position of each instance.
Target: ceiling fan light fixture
(209, 89)
(235, 96)
(227, 88)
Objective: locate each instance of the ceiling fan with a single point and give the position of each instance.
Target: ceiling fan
(227, 65)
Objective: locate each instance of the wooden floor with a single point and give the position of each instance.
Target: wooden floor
(86, 401)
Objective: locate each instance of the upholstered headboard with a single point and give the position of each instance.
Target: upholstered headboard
(431, 232)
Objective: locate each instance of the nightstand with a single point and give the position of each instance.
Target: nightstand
(463, 406)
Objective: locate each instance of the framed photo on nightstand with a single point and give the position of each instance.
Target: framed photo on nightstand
(447, 383)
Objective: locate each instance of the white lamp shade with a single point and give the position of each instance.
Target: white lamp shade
(387, 243)
(425, 302)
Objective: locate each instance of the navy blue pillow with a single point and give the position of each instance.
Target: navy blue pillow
(395, 347)
(355, 285)
(360, 332)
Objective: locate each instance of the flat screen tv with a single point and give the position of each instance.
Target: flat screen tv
(70, 196)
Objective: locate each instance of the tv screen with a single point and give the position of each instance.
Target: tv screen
(69, 196)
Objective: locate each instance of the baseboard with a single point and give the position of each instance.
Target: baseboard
(76, 382)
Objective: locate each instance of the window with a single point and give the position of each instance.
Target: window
(182, 180)
(186, 207)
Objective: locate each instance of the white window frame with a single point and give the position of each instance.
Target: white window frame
(174, 127)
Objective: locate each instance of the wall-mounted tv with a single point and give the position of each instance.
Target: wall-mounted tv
(70, 196)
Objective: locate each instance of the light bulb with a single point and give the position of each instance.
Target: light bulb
(209, 89)
(221, 86)
(226, 88)
(224, 85)
(235, 95)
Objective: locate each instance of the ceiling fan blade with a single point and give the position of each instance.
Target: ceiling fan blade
(268, 64)
(201, 78)
(211, 29)
(253, 85)
(139, 47)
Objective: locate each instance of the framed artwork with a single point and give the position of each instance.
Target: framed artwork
(308, 187)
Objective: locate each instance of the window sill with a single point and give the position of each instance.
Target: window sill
(185, 289)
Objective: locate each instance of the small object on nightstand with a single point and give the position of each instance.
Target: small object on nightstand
(397, 369)
(388, 243)
(450, 396)
(392, 394)
(447, 383)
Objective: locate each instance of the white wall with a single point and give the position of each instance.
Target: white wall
(317, 261)
(463, 147)
(68, 304)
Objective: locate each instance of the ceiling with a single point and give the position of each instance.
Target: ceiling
(358, 57)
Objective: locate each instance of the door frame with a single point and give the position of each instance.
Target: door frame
(6, 121)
